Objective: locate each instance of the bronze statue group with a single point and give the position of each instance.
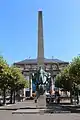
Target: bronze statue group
(42, 81)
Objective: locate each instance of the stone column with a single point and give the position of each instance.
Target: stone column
(25, 89)
(24, 92)
(30, 78)
(31, 89)
(40, 57)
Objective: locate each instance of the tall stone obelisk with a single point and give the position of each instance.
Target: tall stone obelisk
(40, 55)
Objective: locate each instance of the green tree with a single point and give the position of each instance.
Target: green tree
(75, 74)
(64, 80)
(75, 70)
(16, 81)
(11, 79)
(69, 78)
(4, 70)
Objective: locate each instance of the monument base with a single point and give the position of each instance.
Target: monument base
(41, 103)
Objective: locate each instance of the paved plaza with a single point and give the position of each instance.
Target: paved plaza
(7, 115)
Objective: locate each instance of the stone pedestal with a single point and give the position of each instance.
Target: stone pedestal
(41, 101)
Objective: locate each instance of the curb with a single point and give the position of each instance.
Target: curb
(39, 112)
(9, 108)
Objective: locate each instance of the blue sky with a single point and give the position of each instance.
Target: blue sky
(18, 28)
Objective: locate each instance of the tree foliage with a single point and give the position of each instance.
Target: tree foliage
(70, 75)
(16, 79)
(63, 79)
(10, 78)
(74, 70)
(4, 69)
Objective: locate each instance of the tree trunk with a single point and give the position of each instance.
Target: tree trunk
(14, 97)
(77, 99)
(4, 96)
(71, 100)
(71, 97)
(11, 96)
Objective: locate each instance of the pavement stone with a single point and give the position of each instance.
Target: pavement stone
(7, 115)
(26, 111)
(30, 105)
(18, 105)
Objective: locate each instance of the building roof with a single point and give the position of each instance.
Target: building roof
(34, 61)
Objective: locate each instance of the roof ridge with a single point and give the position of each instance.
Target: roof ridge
(34, 60)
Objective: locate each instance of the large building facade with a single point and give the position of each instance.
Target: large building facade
(28, 66)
